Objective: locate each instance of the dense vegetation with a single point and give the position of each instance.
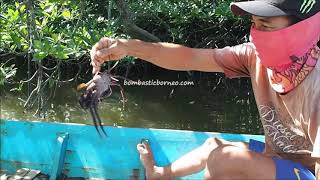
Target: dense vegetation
(40, 39)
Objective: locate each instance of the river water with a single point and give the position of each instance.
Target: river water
(198, 107)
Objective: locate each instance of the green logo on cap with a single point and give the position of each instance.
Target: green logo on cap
(307, 5)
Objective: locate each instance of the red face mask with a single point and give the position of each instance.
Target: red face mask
(288, 54)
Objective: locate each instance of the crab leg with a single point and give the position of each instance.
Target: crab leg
(113, 66)
(105, 95)
(99, 121)
(121, 91)
(94, 118)
(121, 77)
(89, 82)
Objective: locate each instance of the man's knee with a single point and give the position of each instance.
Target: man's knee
(233, 162)
(226, 160)
(208, 146)
(226, 154)
(214, 142)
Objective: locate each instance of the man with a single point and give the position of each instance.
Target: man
(282, 62)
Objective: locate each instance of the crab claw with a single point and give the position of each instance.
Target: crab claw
(83, 101)
(81, 86)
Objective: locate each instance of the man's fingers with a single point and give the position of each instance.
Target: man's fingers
(98, 57)
(105, 50)
(96, 66)
(103, 43)
(141, 148)
(95, 69)
(104, 54)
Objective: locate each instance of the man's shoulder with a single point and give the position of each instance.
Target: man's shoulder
(247, 50)
(247, 45)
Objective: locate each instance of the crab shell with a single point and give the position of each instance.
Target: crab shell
(93, 93)
(102, 83)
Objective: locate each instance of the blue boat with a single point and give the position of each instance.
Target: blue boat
(76, 150)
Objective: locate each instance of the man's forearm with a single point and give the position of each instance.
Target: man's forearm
(173, 56)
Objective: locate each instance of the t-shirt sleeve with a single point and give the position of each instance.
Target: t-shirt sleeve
(236, 61)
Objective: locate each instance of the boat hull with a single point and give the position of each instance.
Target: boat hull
(77, 150)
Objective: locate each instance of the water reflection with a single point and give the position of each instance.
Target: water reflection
(189, 108)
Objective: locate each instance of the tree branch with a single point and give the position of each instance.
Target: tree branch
(133, 30)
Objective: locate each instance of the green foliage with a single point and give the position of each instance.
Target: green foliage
(196, 23)
(6, 72)
(63, 29)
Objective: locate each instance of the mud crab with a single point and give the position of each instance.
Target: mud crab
(97, 89)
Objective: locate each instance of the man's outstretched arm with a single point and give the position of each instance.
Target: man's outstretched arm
(166, 55)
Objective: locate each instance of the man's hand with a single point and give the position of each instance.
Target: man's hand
(107, 49)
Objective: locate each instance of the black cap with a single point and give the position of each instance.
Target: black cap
(302, 9)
